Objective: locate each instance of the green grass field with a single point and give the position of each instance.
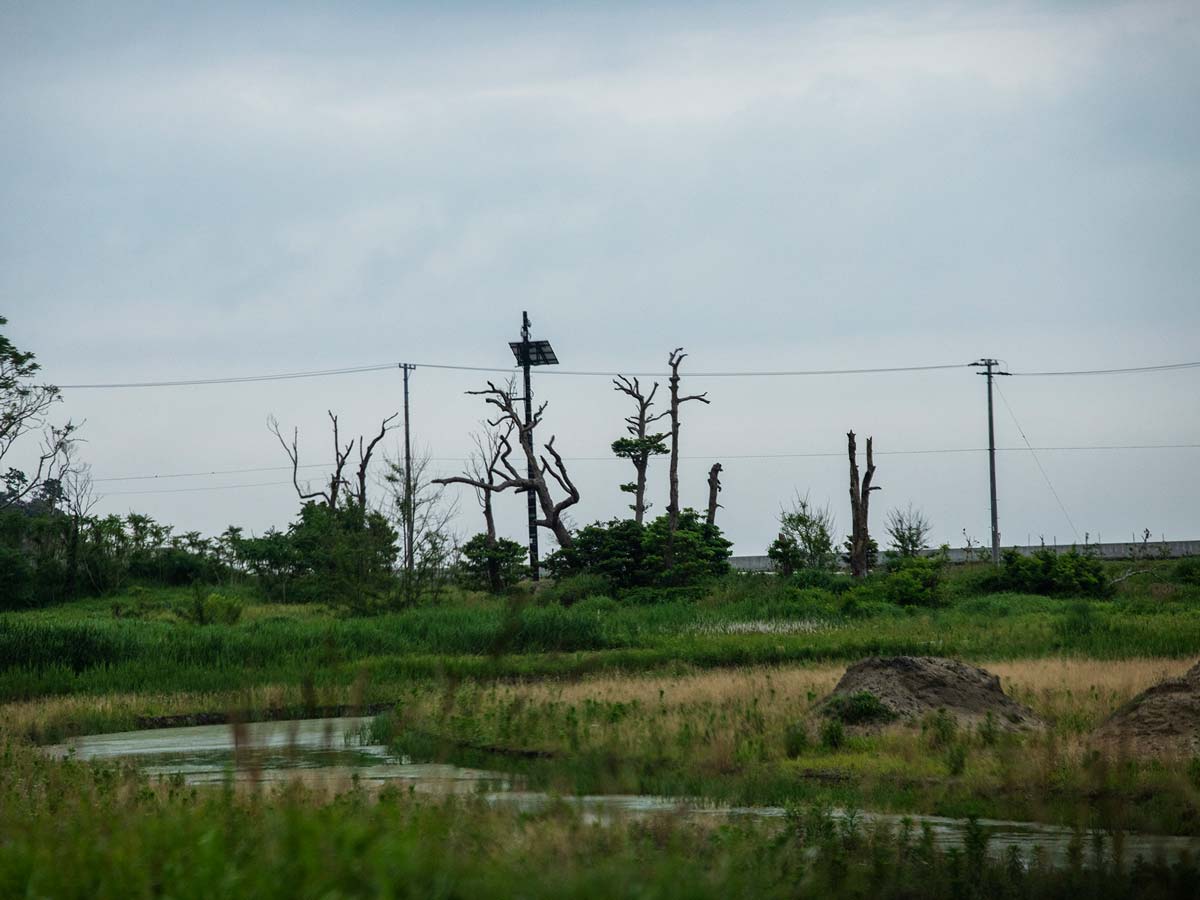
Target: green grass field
(709, 695)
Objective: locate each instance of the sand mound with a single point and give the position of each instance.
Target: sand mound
(1164, 719)
(911, 687)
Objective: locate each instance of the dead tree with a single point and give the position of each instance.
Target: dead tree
(508, 476)
(676, 357)
(714, 488)
(364, 459)
(482, 467)
(333, 490)
(860, 500)
(641, 445)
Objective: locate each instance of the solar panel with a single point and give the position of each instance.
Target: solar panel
(540, 353)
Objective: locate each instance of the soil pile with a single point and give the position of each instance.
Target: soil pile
(911, 687)
(1164, 719)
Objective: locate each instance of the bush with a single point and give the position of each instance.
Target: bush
(615, 550)
(914, 581)
(492, 565)
(1050, 573)
(805, 539)
(858, 709)
(630, 555)
(342, 556)
(795, 740)
(940, 728)
(575, 588)
(16, 579)
(1187, 571)
(833, 734)
(956, 758)
(213, 609)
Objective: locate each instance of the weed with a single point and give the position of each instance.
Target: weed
(859, 708)
(833, 734)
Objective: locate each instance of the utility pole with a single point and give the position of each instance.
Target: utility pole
(531, 353)
(990, 366)
(532, 471)
(409, 506)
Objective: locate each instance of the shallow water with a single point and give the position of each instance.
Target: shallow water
(330, 753)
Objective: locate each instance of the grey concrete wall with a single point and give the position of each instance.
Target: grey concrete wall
(1125, 550)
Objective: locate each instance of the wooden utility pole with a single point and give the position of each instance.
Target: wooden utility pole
(409, 504)
(990, 366)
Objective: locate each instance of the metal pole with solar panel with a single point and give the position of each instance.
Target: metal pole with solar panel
(531, 353)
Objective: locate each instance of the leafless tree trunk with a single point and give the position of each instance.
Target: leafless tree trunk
(337, 480)
(78, 499)
(511, 479)
(482, 467)
(714, 488)
(860, 500)
(24, 406)
(364, 459)
(429, 516)
(676, 357)
(640, 446)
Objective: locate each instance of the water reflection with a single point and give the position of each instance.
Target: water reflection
(334, 753)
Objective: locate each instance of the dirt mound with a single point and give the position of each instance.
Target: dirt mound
(911, 687)
(1164, 719)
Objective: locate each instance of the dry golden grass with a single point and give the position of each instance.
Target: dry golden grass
(1082, 690)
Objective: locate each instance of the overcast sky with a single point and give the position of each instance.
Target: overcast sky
(198, 191)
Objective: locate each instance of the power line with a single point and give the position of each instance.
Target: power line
(772, 373)
(210, 472)
(210, 487)
(318, 373)
(827, 454)
(242, 379)
(1168, 367)
(1038, 461)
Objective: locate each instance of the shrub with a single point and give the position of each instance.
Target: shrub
(630, 555)
(492, 565)
(914, 581)
(859, 708)
(343, 556)
(213, 609)
(795, 740)
(956, 758)
(805, 539)
(615, 550)
(575, 588)
(16, 579)
(940, 728)
(833, 734)
(1187, 571)
(1050, 573)
(909, 530)
(989, 734)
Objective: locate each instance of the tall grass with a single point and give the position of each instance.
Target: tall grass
(750, 622)
(70, 830)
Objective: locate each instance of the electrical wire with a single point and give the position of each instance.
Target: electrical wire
(777, 373)
(317, 373)
(1038, 461)
(722, 456)
(1168, 367)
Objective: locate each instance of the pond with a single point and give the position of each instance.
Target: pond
(333, 753)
